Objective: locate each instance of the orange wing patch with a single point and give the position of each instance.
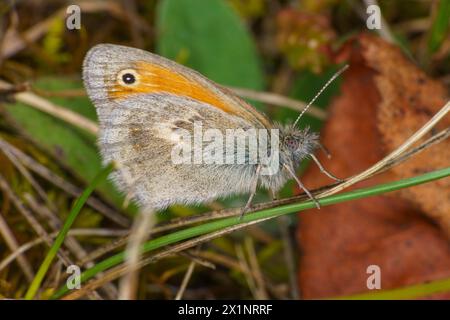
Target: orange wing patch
(157, 79)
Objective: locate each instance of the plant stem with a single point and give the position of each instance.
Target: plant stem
(35, 284)
(209, 227)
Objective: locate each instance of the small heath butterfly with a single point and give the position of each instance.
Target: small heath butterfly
(179, 138)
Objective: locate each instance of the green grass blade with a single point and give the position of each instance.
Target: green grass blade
(273, 212)
(410, 292)
(78, 205)
(440, 26)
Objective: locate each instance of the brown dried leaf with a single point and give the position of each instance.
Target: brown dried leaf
(408, 99)
(338, 243)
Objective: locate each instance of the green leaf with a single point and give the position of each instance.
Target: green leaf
(440, 25)
(209, 36)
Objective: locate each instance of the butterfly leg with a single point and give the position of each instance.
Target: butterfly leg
(322, 169)
(300, 184)
(254, 187)
(273, 195)
(325, 150)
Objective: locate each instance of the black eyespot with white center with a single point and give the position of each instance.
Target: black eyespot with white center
(128, 77)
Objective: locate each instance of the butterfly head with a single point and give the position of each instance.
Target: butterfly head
(297, 143)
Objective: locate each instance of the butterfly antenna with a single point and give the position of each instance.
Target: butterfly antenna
(337, 74)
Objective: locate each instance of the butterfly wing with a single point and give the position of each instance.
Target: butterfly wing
(142, 122)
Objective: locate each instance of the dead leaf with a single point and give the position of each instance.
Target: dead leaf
(339, 242)
(409, 99)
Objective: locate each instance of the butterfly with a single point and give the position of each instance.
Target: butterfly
(149, 106)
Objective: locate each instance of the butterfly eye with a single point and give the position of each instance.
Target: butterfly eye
(291, 143)
(128, 77)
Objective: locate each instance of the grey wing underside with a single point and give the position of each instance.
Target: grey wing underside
(140, 134)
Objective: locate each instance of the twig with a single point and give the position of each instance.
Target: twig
(393, 155)
(59, 240)
(54, 223)
(62, 113)
(24, 171)
(70, 242)
(57, 267)
(130, 11)
(249, 278)
(231, 263)
(231, 225)
(32, 221)
(143, 222)
(191, 255)
(108, 247)
(224, 213)
(435, 139)
(288, 250)
(279, 100)
(78, 120)
(194, 260)
(71, 189)
(73, 232)
(17, 42)
(236, 211)
(118, 270)
(185, 281)
(261, 292)
(11, 242)
(115, 272)
(64, 93)
(414, 25)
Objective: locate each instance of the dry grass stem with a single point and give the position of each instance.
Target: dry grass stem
(142, 224)
(279, 100)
